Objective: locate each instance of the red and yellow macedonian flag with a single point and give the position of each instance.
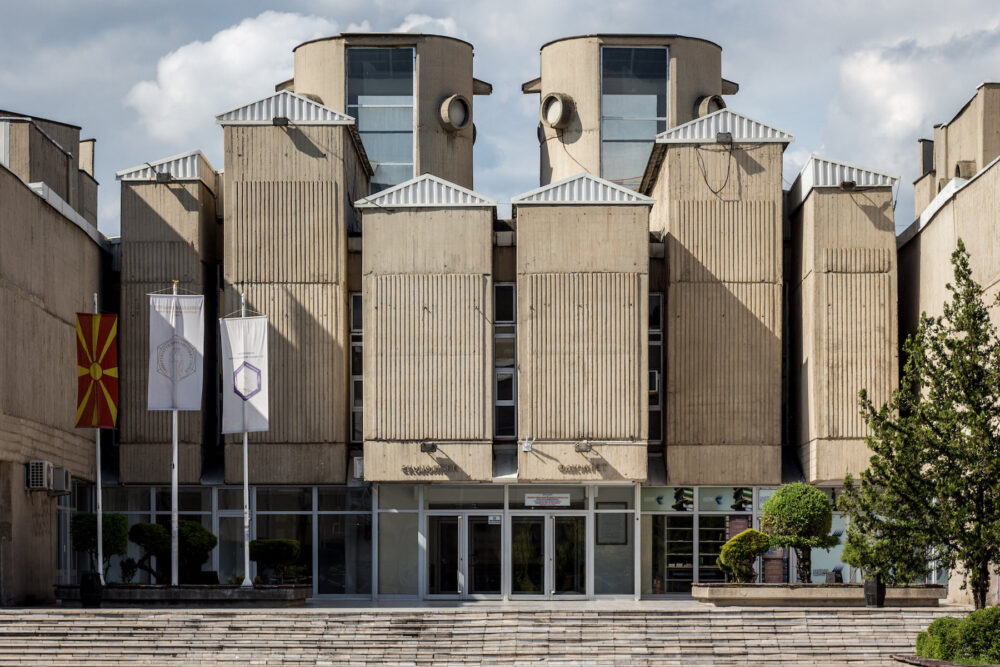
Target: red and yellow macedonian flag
(96, 370)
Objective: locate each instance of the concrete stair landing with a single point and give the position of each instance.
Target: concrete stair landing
(460, 636)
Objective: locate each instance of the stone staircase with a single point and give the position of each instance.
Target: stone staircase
(460, 636)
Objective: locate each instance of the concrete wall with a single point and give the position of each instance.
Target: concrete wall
(428, 350)
(573, 67)
(289, 195)
(49, 271)
(720, 214)
(443, 68)
(843, 324)
(169, 232)
(582, 285)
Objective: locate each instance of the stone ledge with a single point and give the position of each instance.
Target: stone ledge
(813, 595)
(229, 596)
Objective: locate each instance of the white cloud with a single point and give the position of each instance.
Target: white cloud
(889, 95)
(428, 24)
(202, 79)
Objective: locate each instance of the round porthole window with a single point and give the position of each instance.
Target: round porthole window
(556, 110)
(456, 113)
(709, 104)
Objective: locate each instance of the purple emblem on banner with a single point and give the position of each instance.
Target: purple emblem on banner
(246, 381)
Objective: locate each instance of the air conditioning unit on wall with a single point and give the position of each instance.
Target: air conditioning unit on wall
(38, 476)
(62, 482)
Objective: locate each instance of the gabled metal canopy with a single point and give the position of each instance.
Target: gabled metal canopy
(820, 172)
(283, 105)
(583, 189)
(424, 191)
(706, 129)
(191, 166)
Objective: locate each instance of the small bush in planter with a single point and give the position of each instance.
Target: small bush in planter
(278, 555)
(194, 546)
(799, 516)
(114, 531)
(739, 554)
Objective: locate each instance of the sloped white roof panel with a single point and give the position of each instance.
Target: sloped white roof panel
(743, 128)
(584, 189)
(423, 191)
(820, 172)
(192, 166)
(283, 104)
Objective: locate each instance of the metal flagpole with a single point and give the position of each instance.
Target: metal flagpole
(246, 478)
(174, 557)
(100, 504)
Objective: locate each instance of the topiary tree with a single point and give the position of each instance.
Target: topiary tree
(799, 516)
(276, 554)
(931, 482)
(83, 536)
(194, 546)
(739, 554)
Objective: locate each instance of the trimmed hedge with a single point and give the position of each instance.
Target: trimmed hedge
(738, 554)
(797, 510)
(277, 554)
(974, 639)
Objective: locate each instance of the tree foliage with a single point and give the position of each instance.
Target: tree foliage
(83, 536)
(932, 489)
(799, 516)
(739, 553)
(194, 546)
(276, 554)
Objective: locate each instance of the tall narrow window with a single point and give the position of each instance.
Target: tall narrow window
(633, 109)
(357, 369)
(504, 362)
(655, 367)
(380, 97)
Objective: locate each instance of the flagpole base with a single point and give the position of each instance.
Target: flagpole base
(246, 583)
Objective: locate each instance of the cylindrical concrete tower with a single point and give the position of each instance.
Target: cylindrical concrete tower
(604, 98)
(411, 95)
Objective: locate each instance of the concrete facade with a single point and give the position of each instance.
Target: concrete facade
(52, 262)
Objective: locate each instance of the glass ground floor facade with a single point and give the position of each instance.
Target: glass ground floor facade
(477, 541)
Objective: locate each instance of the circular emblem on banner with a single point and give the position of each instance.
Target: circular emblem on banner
(176, 359)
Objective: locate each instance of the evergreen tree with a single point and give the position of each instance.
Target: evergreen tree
(933, 484)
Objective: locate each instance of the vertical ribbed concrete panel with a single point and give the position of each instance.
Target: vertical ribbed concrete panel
(288, 195)
(582, 336)
(843, 324)
(169, 232)
(578, 354)
(429, 359)
(719, 209)
(428, 349)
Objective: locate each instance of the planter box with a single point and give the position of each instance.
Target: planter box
(196, 596)
(813, 595)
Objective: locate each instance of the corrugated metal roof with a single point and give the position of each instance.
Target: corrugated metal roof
(743, 128)
(426, 190)
(283, 104)
(820, 172)
(192, 166)
(582, 189)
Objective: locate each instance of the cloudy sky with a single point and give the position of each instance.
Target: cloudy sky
(853, 80)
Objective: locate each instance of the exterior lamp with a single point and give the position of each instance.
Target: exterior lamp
(428, 447)
(583, 447)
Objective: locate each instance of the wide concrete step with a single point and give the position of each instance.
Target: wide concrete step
(459, 636)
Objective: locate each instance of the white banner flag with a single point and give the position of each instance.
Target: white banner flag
(244, 374)
(176, 351)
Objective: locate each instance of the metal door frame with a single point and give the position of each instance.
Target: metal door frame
(464, 536)
(548, 546)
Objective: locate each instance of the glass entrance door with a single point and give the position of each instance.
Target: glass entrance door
(444, 559)
(548, 555)
(485, 548)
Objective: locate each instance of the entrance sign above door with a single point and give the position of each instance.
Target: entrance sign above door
(546, 500)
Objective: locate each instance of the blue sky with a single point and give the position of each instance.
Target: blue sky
(855, 81)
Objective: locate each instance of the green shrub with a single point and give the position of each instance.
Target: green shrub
(83, 536)
(799, 516)
(980, 635)
(941, 640)
(194, 546)
(738, 554)
(278, 555)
